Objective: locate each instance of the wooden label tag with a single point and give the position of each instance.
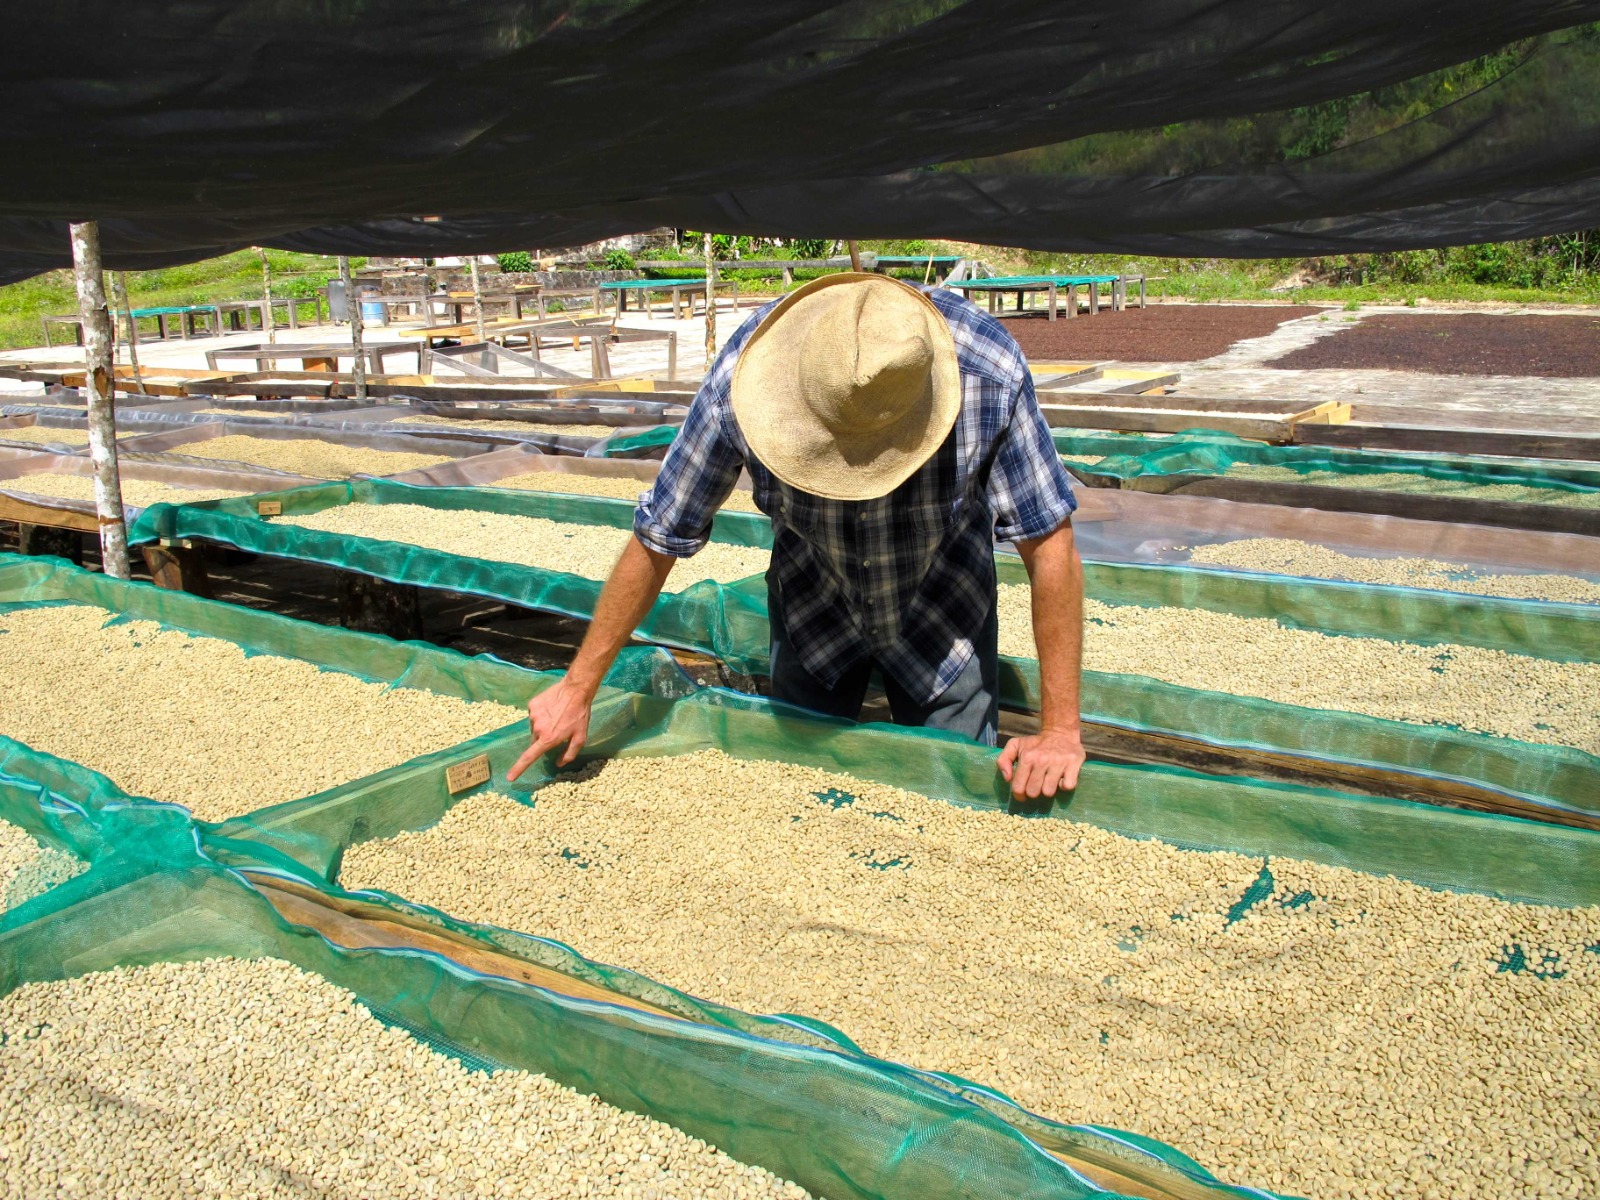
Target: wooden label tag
(269, 508)
(467, 774)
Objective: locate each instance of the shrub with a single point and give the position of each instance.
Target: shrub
(516, 262)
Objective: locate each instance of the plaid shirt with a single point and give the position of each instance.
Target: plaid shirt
(907, 580)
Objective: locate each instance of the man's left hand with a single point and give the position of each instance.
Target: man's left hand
(1042, 763)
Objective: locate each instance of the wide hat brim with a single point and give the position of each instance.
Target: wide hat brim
(786, 435)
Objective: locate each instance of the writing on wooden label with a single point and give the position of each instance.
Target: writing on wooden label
(467, 774)
(269, 508)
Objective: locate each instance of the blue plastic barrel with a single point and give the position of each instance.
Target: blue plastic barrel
(371, 311)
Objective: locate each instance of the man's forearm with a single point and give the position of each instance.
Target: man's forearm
(1057, 576)
(634, 584)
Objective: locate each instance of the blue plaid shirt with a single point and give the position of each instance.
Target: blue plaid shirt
(907, 580)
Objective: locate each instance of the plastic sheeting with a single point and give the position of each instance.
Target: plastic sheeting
(1177, 127)
(179, 440)
(637, 434)
(1114, 525)
(14, 475)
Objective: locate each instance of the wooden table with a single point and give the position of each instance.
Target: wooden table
(458, 304)
(642, 288)
(939, 264)
(237, 312)
(185, 315)
(1053, 286)
(534, 334)
(318, 357)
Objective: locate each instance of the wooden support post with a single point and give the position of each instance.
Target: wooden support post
(374, 605)
(477, 298)
(178, 568)
(855, 255)
(119, 289)
(50, 539)
(352, 307)
(711, 306)
(98, 383)
(269, 325)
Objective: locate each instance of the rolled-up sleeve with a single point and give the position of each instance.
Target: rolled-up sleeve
(702, 465)
(1030, 491)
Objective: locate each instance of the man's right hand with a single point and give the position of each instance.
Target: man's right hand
(559, 714)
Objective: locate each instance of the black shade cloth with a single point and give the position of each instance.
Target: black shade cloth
(1237, 127)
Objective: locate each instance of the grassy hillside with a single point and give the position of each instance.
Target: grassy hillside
(1547, 271)
(231, 277)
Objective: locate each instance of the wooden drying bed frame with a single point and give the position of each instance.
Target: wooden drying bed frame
(362, 925)
(47, 529)
(1510, 443)
(1504, 514)
(1124, 412)
(375, 605)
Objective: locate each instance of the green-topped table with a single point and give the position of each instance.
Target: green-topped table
(163, 317)
(679, 289)
(1053, 285)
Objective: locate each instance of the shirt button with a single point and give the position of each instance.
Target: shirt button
(866, 562)
(861, 516)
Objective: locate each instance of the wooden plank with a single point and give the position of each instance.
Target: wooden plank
(1055, 383)
(36, 372)
(1191, 405)
(178, 568)
(1131, 383)
(1510, 444)
(1113, 743)
(359, 925)
(1546, 518)
(26, 512)
(1120, 744)
(264, 387)
(1063, 416)
(1329, 412)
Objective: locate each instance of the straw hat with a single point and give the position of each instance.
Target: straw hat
(848, 387)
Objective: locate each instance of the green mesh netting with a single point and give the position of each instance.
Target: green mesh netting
(1503, 856)
(643, 444)
(661, 1067)
(1205, 452)
(31, 582)
(791, 1095)
(1109, 443)
(728, 621)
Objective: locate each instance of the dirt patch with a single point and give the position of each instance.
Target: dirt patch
(1459, 344)
(1162, 333)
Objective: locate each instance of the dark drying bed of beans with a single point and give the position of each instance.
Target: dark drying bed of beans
(1551, 347)
(1161, 333)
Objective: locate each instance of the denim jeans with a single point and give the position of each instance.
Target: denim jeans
(969, 706)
